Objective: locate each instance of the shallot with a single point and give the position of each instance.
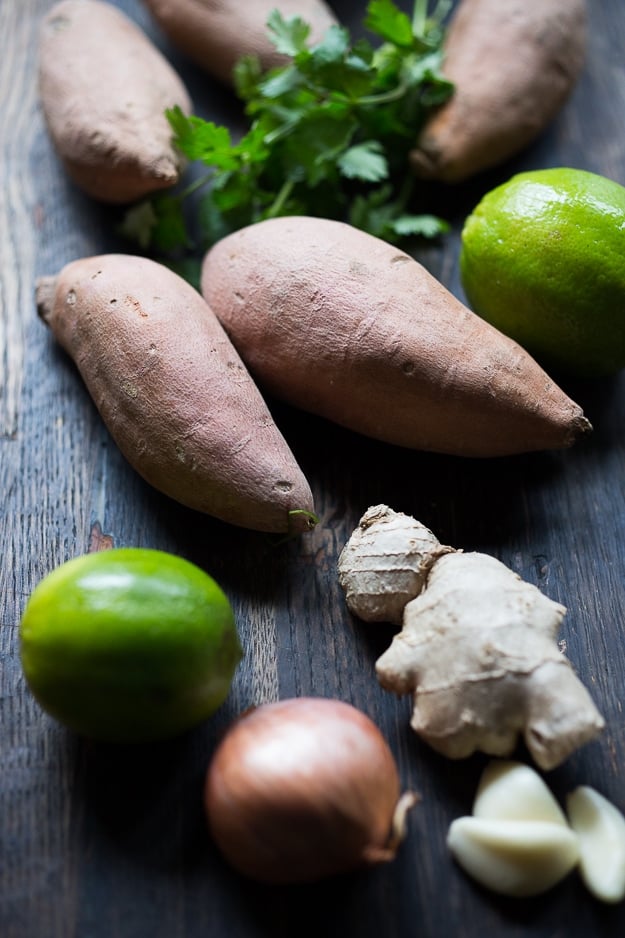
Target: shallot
(305, 788)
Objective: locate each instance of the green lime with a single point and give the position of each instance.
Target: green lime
(543, 260)
(129, 644)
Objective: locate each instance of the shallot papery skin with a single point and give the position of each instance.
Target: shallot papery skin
(302, 789)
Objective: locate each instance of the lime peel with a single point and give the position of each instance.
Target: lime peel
(129, 644)
(541, 260)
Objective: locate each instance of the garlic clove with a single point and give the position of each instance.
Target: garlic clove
(600, 828)
(513, 858)
(512, 791)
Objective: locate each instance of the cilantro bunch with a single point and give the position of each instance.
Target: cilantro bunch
(330, 132)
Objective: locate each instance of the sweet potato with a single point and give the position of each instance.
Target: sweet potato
(104, 88)
(349, 327)
(216, 33)
(173, 392)
(513, 62)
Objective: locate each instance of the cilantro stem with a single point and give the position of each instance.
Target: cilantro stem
(405, 193)
(278, 203)
(419, 17)
(194, 186)
(385, 97)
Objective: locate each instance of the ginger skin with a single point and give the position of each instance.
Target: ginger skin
(385, 564)
(477, 648)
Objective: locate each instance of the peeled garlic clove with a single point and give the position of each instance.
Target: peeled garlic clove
(600, 828)
(512, 791)
(513, 858)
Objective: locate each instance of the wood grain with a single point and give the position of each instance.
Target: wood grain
(110, 842)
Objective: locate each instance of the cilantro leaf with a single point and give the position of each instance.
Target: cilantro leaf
(201, 140)
(288, 35)
(158, 222)
(138, 223)
(426, 226)
(170, 230)
(246, 75)
(321, 137)
(365, 161)
(386, 20)
(329, 134)
(332, 48)
(280, 82)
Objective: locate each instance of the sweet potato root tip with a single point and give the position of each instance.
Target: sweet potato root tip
(580, 427)
(301, 520)
(45, 289)
(423, 162)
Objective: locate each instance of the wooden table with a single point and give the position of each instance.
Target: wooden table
(106, 842)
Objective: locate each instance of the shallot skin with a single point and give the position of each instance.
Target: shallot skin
(302, 789)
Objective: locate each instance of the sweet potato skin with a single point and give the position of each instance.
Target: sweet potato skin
(343, 324)
(513, 63)
(216, 33)
(104, 88)
(173, 392)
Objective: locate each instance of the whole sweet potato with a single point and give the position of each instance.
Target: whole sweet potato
(104, 88)
(173, 392)
(513, 62)
(349, 327)
(216, 33)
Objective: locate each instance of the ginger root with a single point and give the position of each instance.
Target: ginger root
(477, 648)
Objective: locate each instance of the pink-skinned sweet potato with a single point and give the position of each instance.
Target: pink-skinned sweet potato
(173, 392)
(513, 63)
(104, 88)
(216, 33)
(347, 326)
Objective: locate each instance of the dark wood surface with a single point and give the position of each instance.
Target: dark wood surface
(107, 842)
